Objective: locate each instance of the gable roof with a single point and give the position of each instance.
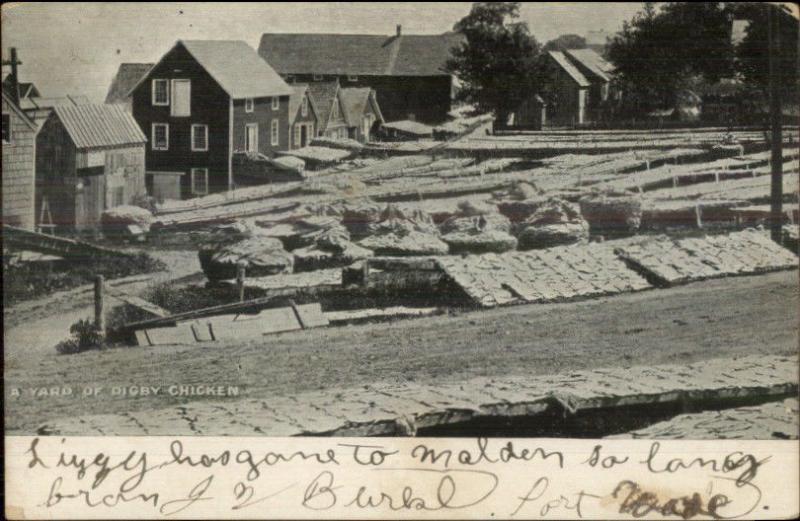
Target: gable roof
(128, 75)
(26, 89)
(18, 111)
(592, 62)
(324, 94)
(569, 68)
(358, 54)
(354, 103)
(91, 126)
(299, 91)
(235, 66)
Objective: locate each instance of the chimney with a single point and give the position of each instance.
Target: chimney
(399, 30)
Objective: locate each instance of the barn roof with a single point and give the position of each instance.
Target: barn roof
(323, 94)
(358, 54)
(569, 68)
(91, 126)
(128, 75)
(354, 103)
(593, 62)
(236, 67)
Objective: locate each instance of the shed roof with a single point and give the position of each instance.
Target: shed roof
(128, 75)
(593, 62)
(236, 67)
(354, 103)
(358, 54)
(323, 94)
(569, 68)
(91, 126)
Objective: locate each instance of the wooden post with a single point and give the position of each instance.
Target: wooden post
(240, 274)
(99, 311)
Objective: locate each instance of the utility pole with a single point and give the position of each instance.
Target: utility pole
(776, 192)
(14, 62)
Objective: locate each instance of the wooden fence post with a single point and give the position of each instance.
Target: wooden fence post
(240, 274)
(99, 308)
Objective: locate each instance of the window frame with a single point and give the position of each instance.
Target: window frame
(153, 100)
(318, 77)
(9, 139)
(249, 105)
(276, 103)
(189, 104)
(192, 143)
(274, 133)
(304, 106)
(192, 178)
(352, 77)
(247, 126)
(153, 145)
(297, 131)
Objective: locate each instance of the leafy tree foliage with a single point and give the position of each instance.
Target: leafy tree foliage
(565, 41)
(498, 61)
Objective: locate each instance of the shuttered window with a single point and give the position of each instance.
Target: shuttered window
(199, 138)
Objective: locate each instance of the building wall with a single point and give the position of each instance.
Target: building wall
(209, 105)
(19, 173)
(422, 98)
(263, 115)
(565, 106)
(55, 173)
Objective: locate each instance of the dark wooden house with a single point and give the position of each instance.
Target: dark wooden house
(88, 158)
(203, 102)
(406, 71)
(303, 118)
(361, 111)
(19, 145)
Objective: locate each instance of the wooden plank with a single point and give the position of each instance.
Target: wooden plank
(310, 315)
(138, 302)
(141, 338)
(178, 335)
(202, 331)
(279, 320)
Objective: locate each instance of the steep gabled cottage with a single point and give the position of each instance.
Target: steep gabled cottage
(579, 83)
(88, 158)
(303, 118)
(330, 113)
(127, 76)
(406, 71)
(19, 148)
(204, 101)
(361, 111)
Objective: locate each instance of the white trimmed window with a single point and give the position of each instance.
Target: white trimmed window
(199, 181)
(304, 106)
(276, 103)
(199, 138)
(161, 92)
(274, 139)
(249, 105)
(318, 77)
(159, 136)
(6, 128)
(297, 130)
(251, 138)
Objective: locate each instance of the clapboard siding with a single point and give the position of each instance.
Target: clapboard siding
(19, 172)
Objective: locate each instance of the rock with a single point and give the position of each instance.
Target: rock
(116, 219)
(612, 213)
(260, 256)
(554, 222)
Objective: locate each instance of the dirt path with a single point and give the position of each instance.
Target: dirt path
(713, 319)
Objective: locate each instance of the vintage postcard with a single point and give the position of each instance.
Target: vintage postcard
(491, 260)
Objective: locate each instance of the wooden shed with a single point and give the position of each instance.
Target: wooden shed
(88, 158)
(19, 140)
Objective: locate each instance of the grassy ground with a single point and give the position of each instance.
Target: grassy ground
(712, 319)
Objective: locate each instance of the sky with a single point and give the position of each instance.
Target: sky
(75, 48)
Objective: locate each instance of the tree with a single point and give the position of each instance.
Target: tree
(564, 42)
(498, 61)
(660, 52)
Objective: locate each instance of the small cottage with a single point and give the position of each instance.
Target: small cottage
(19, 141)
(361, 111)
(88, 158)
(303, 119)
(330, 114)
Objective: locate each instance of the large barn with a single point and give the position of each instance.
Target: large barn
(406, 71)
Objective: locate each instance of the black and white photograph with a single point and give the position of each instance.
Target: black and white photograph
(468, 221)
